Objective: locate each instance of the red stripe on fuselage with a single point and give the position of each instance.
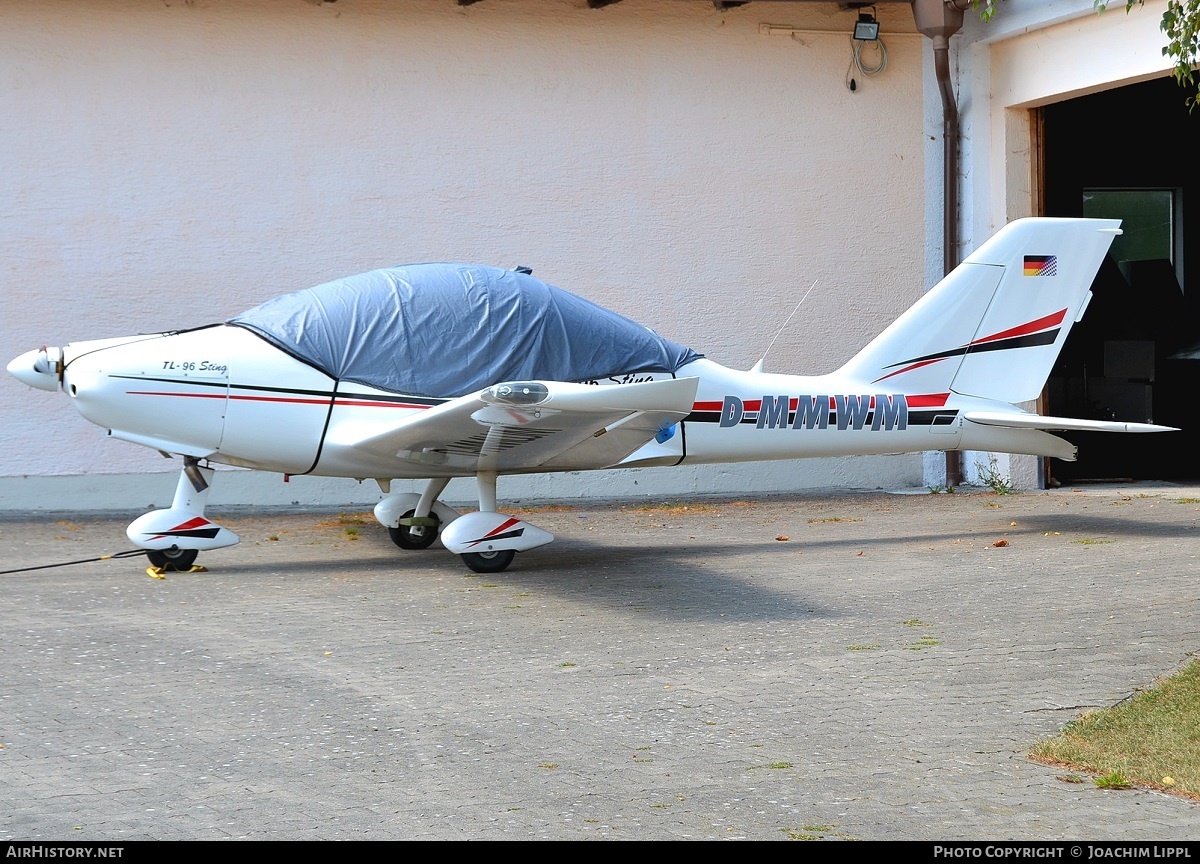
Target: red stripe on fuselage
(294, 400)
(363, 403)
(927, 400)
(919, 400)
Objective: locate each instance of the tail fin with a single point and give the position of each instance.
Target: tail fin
(994, 327)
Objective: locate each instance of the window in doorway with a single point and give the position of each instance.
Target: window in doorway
(1149, 223)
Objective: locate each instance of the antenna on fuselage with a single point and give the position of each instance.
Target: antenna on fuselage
(758, 367)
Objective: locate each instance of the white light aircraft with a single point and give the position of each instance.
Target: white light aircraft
(435, 371)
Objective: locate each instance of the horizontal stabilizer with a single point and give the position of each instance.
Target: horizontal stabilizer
(1021, 420)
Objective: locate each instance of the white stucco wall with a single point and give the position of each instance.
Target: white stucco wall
(168, 164)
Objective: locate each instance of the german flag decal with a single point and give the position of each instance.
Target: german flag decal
(1041, 265)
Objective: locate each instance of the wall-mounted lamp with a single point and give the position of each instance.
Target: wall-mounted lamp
(866, 32)
(866, 28)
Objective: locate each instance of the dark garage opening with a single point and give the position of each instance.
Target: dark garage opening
(1131, 153)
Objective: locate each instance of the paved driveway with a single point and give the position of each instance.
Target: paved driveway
(857, 666)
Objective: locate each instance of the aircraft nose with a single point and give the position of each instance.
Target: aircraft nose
(41, 368)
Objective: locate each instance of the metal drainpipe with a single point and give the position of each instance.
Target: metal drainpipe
(941, 65)
(939, 20)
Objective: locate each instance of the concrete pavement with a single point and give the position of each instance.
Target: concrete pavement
(860, 666)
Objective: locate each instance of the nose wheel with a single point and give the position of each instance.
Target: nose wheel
(175, 559)
(162, 532)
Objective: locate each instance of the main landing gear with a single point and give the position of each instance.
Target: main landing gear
(489, 562)
(415, 532)
(486, 540)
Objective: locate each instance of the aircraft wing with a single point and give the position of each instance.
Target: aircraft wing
(528, 426)
(1014, 420)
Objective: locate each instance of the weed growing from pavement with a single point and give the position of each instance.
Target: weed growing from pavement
(991, 476)
(923, 643)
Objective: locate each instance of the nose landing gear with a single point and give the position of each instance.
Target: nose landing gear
(174, 537)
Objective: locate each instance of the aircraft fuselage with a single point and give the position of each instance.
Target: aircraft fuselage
(224, 394)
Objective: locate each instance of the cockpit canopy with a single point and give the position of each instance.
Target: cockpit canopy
(445, 330)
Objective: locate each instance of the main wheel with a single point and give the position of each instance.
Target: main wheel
(415, 536)
(179, 560)
(489, 562)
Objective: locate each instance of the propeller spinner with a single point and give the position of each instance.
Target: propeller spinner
(41, 368)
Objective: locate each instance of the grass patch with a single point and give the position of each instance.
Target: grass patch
(923, 643)
(669, 507)
(813, 832)
(832, 519)
(344, 519)
(1187, 500)
(1115, 780)
(862, 648)
(1091, 541)
(1151, 739)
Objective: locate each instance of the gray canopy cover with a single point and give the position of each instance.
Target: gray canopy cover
(446, 330)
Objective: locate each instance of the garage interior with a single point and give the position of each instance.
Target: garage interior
(1130, 153)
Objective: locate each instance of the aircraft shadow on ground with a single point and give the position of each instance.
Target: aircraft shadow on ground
(675, 581)
(672, 577)
(1110, 525)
